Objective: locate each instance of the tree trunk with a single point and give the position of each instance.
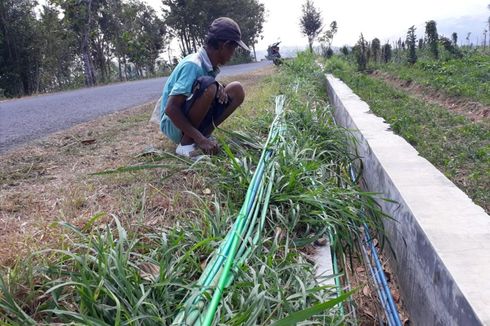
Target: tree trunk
(187, 43)
(255, 54)
(182, 45)
(119, 67)
(88, 68)
(125, 67)
(194, 44)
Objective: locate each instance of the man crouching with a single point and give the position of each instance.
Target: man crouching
(193, 102)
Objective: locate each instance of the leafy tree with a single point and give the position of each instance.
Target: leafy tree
(329, 53)
(251, 24)
(376, 49)
(79, 15)
(431, 37)
(188, 20)
(71, 42)
(327, 38)
(484, 39)
(361, 53)
(411, 39)
(450, 47)
(386, 52)
(454, 37)
(345, 50)
(144, 37)
(58, 48)
(310, 22)
(113, 24)
(20, 43)
(421, 43)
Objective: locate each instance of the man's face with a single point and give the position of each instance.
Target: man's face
(226, 51)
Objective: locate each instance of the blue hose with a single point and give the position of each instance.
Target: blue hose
(376, 271)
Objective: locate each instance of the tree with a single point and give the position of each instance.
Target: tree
(58, 48)
(411, 39)
(361, 53)
(113, 25)
(345, 50)
(310, 22)
(188, 20)
(70, 42)
(79, 16)
(454, 37)
(450, 47)
(431, 37)
(484, 39)
(251, 24)
(488, 24)
(20, 43)
(376, 49)
(327, 38)
(386, 52)
(421, 43)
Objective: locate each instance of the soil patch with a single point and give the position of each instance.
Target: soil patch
(473, 110)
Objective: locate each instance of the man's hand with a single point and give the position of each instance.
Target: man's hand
(208, 146)
(221, 95)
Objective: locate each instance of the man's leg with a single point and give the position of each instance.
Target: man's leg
(199, 109)
(236, 95)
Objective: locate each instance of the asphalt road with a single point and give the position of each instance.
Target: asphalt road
(27, 119)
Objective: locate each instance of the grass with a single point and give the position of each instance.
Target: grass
(468, 77)
(457, 146)
(124, 272)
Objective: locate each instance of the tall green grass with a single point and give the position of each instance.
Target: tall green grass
(138, 276)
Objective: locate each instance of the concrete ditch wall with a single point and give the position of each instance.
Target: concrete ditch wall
(440, 240)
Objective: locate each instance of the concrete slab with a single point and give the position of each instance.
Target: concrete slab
(439, 239)
(324, 268)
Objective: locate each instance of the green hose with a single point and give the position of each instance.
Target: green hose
(236, 247)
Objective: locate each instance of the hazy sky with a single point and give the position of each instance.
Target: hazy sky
(371, 17)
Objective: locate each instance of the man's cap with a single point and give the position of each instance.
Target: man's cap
(227, 29)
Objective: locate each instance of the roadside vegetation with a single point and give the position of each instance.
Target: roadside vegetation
(456, 145)
(66, 44)
(115, 269)
(430, 60)
(467, 77)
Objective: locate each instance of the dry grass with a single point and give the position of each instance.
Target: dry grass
(49, 180)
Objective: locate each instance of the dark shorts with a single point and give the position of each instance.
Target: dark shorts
(200, 85)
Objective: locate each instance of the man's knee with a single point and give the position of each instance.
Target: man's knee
(205, 86)
(236, 92)
(210, 92)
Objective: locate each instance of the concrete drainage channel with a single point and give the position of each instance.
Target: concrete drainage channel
(439, 239)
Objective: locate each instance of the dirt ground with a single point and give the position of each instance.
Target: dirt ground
(473, 110)
(50, 181)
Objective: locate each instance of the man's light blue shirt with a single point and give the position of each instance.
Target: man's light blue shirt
(180, 82)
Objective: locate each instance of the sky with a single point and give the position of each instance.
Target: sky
(385, 19)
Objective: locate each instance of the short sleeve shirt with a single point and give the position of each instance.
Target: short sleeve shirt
(183, 76)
